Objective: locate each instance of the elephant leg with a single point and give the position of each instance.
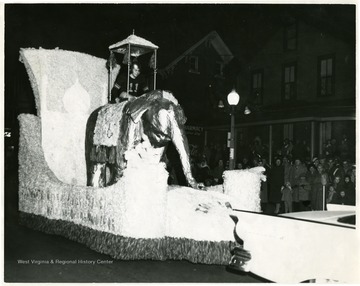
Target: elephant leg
(98, 175)
(181, 144)
(111, 177)
(116, 173)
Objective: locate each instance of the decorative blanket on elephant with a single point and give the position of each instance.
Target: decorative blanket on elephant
(106, 133)
(107, 126)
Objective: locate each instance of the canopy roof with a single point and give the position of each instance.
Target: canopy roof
(138, 46)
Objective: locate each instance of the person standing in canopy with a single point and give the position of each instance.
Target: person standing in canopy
(137, 85)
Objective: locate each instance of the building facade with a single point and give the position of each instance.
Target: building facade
(300, 86)
(197, 78)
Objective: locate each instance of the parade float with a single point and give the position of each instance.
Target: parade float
(139, 216)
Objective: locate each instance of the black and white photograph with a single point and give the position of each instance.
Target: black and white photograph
(194, 142)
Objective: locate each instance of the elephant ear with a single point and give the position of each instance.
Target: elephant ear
(179, 115)
(179, 112)
(138, 106)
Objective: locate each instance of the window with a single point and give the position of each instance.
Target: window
(290, 37)
(219, 69)
(289, 82)
(194, 64)
(326, 76)
(257, 80)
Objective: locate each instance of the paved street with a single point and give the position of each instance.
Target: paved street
(36, 250)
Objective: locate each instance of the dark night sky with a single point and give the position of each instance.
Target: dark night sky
(91, 28)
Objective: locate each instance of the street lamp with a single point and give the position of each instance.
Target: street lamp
(233, 99)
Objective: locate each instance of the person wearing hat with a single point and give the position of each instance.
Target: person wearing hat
(294, 177)
(314, 179)
(276, 182)
(315, 161)
(311, 177)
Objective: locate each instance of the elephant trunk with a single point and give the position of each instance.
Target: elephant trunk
(181, 144)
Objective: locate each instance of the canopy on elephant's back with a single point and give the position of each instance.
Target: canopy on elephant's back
(134, 46)
(138, 46)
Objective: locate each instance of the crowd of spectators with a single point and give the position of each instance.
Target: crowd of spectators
(295, 182)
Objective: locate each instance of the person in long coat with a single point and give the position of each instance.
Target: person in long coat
(304, 193)
(276, 183)
(296, 171)
(319, 194)
(317, 189)
(316, 195)
(286, 162)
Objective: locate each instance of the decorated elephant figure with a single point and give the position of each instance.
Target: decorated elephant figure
(150, 121)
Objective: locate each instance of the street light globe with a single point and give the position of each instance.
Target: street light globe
(233, 98)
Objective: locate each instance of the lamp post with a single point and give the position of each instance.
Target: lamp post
(233, 99)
